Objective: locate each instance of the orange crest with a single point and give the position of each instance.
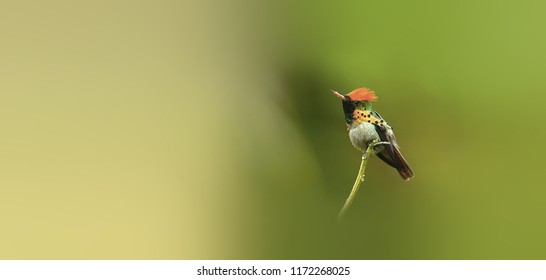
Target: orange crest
(362, 94)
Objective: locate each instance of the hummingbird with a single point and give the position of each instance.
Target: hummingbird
(366, 127)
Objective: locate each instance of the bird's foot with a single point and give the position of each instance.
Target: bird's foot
(380, 143)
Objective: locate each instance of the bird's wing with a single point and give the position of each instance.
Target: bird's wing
(391, 153)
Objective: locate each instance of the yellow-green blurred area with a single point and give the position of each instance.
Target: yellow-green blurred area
(206, 129)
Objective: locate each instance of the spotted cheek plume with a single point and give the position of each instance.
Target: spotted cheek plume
(361, 116)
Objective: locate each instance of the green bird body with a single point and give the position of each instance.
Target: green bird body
(366, 126)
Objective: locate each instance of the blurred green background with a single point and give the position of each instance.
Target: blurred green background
(206, 130)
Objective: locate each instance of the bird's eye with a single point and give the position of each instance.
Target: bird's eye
(355, 103)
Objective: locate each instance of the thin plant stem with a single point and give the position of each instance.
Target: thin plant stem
(358, 182)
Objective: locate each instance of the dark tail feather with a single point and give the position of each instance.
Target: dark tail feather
(391, 154)
(402, 165)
